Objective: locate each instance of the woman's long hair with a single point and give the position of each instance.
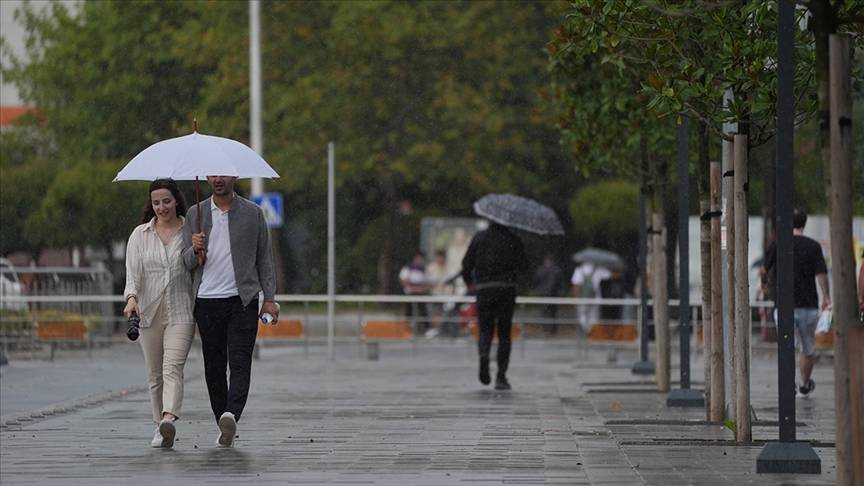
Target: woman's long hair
(169, 184)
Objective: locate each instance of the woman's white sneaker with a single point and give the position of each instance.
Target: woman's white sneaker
(227, 429)
(168, 432)
(157, 439)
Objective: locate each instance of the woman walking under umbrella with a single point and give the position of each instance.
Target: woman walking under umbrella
(159, 291)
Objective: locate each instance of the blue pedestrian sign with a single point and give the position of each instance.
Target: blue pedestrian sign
(271, 204)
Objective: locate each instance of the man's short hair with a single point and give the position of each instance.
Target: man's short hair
(799, 219)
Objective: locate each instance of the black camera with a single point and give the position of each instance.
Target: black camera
(134, 324)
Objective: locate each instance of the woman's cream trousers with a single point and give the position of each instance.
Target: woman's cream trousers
(165, 351)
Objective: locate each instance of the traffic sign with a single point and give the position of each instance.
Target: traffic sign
(271, 204)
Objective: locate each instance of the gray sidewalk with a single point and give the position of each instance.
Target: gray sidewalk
(421, 417)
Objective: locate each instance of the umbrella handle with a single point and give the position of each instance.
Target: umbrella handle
(201, 257)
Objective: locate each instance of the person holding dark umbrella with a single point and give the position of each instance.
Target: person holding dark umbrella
(494, 260)
(491, 266)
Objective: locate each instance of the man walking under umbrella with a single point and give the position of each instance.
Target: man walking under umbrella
(490, 268)
(232, 262)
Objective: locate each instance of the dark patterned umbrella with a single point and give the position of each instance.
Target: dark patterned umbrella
(519, 212)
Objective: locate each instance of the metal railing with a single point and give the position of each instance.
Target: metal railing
(352, 310)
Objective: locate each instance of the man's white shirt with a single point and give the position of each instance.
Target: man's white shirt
(217, 280)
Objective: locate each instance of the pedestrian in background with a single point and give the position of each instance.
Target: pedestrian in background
(436, 276)
(808, 267)
(490, 268)
(159, 290)
(586, 284)
(413, 279)
(548, 282)
(234, 246)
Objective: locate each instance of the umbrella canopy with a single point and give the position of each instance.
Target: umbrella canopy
(193, 156)
(600, 258)
(519, 212)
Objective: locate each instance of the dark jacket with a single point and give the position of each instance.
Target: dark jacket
(494, 258)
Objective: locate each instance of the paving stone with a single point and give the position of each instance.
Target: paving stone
(417, 416)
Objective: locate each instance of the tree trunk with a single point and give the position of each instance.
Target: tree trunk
(386, 256)
(743, 429)
(703, 187)
(823, 23)
(705, 265)
(848, 337)
(661, 300)
(768, 201)
(718, 377)
(729, 244)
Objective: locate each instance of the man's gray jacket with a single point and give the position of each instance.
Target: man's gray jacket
(251, 251)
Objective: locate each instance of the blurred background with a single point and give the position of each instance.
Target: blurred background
(431, 105)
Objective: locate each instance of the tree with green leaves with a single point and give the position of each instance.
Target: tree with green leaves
(431, 105)
(686, 55)
(607, 216)
(82, 205)
(106, 81)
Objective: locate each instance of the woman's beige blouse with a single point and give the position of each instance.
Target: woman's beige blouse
(155, 273)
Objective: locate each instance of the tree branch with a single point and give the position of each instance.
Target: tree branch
(710, 124)
(691, 11)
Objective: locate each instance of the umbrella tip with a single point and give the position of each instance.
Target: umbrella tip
(195, 124)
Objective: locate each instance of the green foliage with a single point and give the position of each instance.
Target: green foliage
(619, 65)
(21, 191)
(606, 214)
(21, 145)
(434, 103)
(108, 80)
(83, 205)
(418, 97)
(605, 118)
(685, 55)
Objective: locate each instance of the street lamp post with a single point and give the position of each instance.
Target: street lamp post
(255, 135)
(786, 455)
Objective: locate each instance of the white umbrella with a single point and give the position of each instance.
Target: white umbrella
(600, 257)
(195, 156)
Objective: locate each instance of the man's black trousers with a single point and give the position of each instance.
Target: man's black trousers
(228, 330)
(495, 313)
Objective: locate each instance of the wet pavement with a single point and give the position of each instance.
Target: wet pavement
(418, 415)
